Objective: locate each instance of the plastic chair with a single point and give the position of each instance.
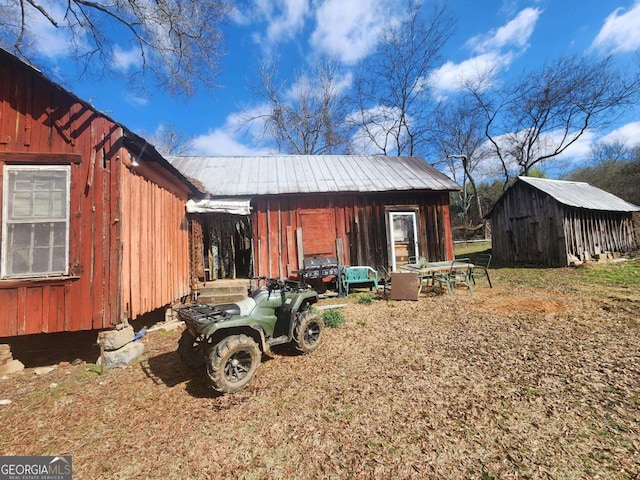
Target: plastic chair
(481, 268)
(455, 275)
(358, 275)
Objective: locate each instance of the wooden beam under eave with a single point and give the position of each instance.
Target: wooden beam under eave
(40, 158)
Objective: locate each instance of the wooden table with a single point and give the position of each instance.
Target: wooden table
(427, 270)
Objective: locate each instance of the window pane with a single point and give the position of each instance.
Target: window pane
(59, 234)
(41, 204)
(20, 204)
(42, 181)
(38, 200)
(22, 180)
(42, 234)
(59, 260)
(60, 182)
(58, 207)
(18, 253)
(40, 260)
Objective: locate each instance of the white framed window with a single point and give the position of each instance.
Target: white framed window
(35, 220)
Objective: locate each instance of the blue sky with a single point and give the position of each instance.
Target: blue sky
(509, 35)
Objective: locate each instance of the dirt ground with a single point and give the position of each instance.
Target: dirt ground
(516, 383)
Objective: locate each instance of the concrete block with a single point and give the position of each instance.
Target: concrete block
(114, 339)
(12, 367)
(123, 355)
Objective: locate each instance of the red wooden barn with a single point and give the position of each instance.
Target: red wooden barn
(94, 228)
(266, 215)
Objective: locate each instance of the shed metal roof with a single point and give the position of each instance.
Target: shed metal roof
(580, 195)
(290, 174)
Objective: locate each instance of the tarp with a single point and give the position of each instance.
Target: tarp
(235, 206)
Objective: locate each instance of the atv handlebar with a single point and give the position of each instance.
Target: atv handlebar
(278, 284)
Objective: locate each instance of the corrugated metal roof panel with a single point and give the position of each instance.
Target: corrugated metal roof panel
(580, 195)
(281, 174)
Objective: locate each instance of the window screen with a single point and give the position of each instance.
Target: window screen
(35, 238)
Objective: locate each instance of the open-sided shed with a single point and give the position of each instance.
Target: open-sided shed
(94, 228)
(266, 214)
(554, 222)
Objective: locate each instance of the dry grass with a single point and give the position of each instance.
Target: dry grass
(521, 382)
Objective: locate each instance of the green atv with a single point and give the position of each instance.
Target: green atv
(229, 339)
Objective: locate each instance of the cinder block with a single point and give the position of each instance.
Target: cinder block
(123, 355)
(114, 339)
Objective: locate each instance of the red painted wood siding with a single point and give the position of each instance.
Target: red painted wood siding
(116, 216)
(360, 221)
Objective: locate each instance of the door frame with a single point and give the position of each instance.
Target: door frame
(397, 212)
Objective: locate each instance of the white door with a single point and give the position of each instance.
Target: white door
(404, 238)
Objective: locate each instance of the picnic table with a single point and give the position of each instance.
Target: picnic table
(427, 270)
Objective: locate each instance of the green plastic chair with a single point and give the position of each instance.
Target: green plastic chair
(481, 268)
(455, 276)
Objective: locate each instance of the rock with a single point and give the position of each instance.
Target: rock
(44, 370)
(5, 357)
(123, 355)
(115, 339)
(5, 402)
(12, 367)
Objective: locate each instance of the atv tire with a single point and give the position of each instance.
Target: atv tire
(232, 363)
(192, 351)
(308, 331)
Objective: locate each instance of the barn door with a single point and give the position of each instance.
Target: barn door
(404, 238)
(318, 233)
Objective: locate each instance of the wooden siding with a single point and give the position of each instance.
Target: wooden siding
(41, 123)
(358, 222)
(155, 246)
(529, 226)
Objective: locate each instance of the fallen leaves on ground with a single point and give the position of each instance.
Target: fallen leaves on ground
(516, 383)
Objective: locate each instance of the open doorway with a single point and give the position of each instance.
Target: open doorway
(227, 246)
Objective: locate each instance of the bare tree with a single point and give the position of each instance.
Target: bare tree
(616, 152)
(169, 140)
(392, 95)
(177, 41)
(306, 116)
(547, 111)
(459, 138)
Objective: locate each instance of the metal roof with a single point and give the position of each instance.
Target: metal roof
(282, 174)
(580, 195)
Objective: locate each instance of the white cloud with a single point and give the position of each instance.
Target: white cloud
(628, 135)
(124, 60)
(514, 34)
(477, 71)
(349, 29)
(221, 142)
(48, 40)
(234, 137)
(620, 32)
(284, 19)
(495, 50)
